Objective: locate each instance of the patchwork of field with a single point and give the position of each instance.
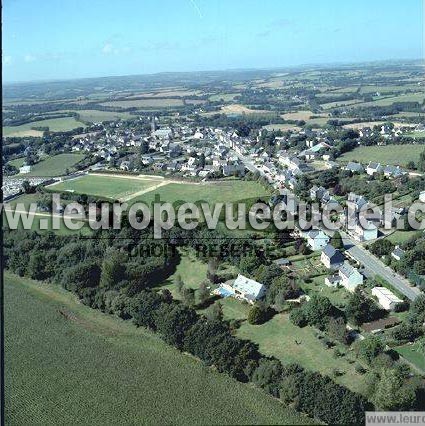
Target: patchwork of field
(382, 101)
(54, 125)
(225, 97)
(95, 116)
(66, 363)
(122, 187)
(145, 103)
(389, 154)
(241, 109)
(283, 127)
(51, 166)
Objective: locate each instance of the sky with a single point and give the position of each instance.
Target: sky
(58, 39)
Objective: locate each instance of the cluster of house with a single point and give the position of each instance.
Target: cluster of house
(376, 168)
(350, 278)
(178, 149)
(13, 185)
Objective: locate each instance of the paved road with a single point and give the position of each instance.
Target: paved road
(373, 266)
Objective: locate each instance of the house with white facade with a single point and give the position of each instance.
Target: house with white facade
(350, 277)
(317, 239)
(242, 288)
(373, 168)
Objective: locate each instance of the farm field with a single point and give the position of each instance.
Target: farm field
(283, 127)
(95, 116)
(226, 97)
(66, 363)
(54, 125)
(107, 186)
(387, 101)
(145, 103)
(389, 154)
(51, 166)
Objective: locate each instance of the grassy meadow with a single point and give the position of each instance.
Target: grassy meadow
(51, 166)
(54, 125)
(66, 363)
(389, 154)
(107, 186)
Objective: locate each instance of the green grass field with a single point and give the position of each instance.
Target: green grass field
(68, 364)
(389, 154)
(414, 354)
(96, 116)
(54, 125)
(214, 192)
(387, 101)
(192, 272)
(52, 166)
(145, 103)
(278, 337)
(106, 186)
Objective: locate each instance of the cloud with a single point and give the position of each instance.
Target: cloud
(110, 49)
(29, 58)
(107, 49)
(7, 60)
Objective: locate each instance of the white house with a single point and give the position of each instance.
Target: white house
(24, 169)
(317, 239)
(366, 233)
(422, 197)
(350, 277)
(373, 168)
(386, 298)
(248, 289)
(397, 253)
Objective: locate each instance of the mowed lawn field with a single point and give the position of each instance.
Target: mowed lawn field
(389, 154)
(66, 363)
(211, 192)
(54, 125)
(291, 344)
(51, 166)
(107, 186)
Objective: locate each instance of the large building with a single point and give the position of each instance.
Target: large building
(242, 288)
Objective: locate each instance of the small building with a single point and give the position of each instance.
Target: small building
(331, 257)
(354, 167)
(422, 197)
(394, 171)
(373, 168)
(386, 298)
(397, 253)
(351, 278)
(333, 280)
(248, 289)
(317, 239)
(282, 262)
(24, 169)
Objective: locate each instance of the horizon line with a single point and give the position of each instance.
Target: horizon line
(276, 68)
